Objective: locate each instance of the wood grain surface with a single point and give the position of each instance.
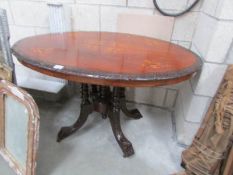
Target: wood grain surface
(107, 58)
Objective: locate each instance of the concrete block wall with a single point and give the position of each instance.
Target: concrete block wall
(30, 17)
(212, 41)
(206, 30)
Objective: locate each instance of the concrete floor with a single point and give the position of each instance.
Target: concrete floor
(93, 149)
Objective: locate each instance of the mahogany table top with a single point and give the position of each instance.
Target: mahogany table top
(105, 58)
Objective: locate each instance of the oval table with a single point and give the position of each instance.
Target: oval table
(105, 63)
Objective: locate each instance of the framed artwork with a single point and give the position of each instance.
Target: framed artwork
(19, 128)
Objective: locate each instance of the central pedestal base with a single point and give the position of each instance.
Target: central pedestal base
(109, 103)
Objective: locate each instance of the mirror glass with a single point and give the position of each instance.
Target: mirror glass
(4, 167)
(16, 129)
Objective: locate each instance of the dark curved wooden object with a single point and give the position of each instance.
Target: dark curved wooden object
(107, 59)
(110, 59)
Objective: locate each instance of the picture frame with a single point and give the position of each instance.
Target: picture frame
(18, 106)
(6, 72)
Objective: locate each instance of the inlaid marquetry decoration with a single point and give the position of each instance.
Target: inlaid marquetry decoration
(19, 128)
(100, 60)
(105, 58)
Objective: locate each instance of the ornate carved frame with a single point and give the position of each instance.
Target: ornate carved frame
(8, 89)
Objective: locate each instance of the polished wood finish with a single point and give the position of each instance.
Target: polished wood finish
(104, 58)
(107, 59)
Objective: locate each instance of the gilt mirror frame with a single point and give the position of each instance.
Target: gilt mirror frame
(8, 89)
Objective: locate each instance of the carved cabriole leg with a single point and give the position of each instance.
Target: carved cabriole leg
(86, 109)
(114, 117)
(109, 105)
(134, 113)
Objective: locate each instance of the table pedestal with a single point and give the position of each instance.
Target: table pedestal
(109, 103)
